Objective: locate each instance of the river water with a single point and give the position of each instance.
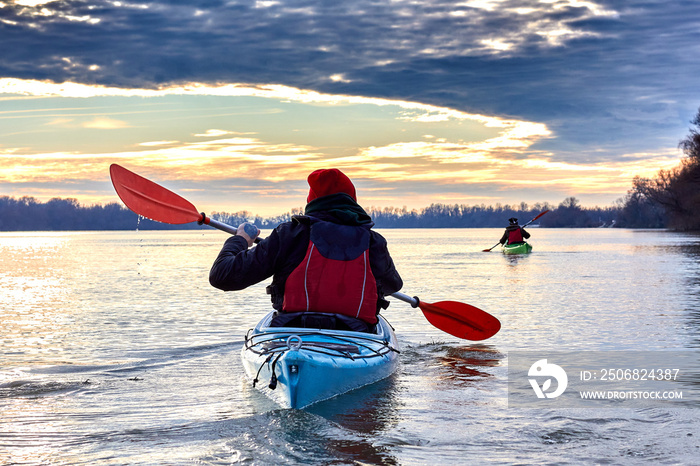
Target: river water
(115, 350)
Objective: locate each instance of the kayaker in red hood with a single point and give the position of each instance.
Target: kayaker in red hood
(329, 268)
(514, 233)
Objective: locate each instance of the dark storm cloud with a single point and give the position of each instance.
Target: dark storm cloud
(615, 75)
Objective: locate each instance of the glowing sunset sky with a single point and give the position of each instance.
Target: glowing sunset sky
(233, 103)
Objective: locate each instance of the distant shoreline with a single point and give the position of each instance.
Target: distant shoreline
(28, 214)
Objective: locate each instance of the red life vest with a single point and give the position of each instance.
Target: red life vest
(515, 236)
(335, 275)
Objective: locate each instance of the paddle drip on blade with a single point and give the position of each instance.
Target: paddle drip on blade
(151, 200)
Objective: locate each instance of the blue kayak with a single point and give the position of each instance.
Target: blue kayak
(297, 367)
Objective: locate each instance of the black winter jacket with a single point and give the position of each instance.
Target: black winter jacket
(238, 267)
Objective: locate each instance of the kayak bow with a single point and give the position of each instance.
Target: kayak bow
(297, 367)
(517, 248)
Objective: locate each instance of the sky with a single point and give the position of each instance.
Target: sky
(233, 103)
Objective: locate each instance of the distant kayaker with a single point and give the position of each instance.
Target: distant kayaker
(329, 269)
(514, 233)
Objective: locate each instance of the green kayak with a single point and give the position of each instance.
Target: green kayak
(517, 248)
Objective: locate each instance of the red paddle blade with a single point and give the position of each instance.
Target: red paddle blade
(539, 216)
(151, 200)
(461, 320)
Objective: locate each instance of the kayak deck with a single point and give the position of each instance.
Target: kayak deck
(517, 248)
(297, 367)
